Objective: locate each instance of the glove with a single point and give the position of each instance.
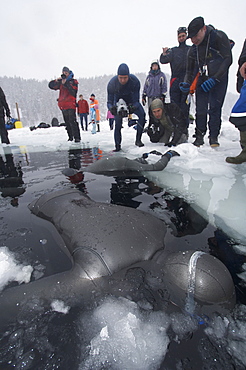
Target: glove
(208, 85)
(184, 87)
(163, 97)
(113, 110)
(131, 108)
(144, 99)
(170, 154)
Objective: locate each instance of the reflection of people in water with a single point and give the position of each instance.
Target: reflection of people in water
(11, 183)
(76, 177)
(186, 220)
(222, 247)
(125, 189)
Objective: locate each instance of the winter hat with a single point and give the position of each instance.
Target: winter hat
(182, 30)
(155, 61)
(123, 70)
(93, 95)
(65, 69)
(194, 27)
(156, 103)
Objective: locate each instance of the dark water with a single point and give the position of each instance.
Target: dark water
(50, 341)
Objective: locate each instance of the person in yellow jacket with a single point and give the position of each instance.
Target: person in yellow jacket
(94, 108)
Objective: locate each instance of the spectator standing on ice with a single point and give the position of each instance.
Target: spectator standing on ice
(125, 86)
(68, 87)
(110, 119)
(94, 110)
(238, 114)
(211, 55)
(155, 84)
(83, 111)
(177, 57)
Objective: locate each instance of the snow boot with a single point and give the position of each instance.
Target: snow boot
(199, 138)
(139, 143)
(213, 141)
(240, 158)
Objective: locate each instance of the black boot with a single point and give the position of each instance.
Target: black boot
(199, 138)
(213, 141)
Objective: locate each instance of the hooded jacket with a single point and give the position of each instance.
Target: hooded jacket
(68, 92)
(155, 84)
(172, 119)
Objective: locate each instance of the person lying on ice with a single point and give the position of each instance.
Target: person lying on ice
(167, 124)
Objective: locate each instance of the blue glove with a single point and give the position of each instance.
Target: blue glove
(207, 85)
(184, 87)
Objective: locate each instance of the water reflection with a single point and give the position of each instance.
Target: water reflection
(11, 177)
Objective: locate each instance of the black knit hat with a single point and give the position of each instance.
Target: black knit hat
(65, 69)
(194, 27)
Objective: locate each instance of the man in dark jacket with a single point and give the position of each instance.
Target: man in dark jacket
(68, 87)
(177, 57)
(4, 107)
(238, 114)
(167, 124)
(126, 87)
(211, 55)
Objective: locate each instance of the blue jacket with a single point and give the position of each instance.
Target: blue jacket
(155, 84)
(129, 92)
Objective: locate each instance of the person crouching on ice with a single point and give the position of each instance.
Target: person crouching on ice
(167, 123)
(125, 86)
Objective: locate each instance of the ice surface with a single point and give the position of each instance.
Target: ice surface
(10, 270)
(126, 338)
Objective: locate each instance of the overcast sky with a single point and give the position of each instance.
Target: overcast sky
(39, 37)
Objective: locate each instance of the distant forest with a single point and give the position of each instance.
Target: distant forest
(37, 103)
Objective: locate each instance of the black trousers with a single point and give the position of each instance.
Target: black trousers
(3, 131)
(72, 126)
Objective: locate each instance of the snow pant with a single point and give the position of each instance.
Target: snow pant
(3, 131)
(176, 96)
(140, 113)
(83, 116)
(210, 103)
(72, 126)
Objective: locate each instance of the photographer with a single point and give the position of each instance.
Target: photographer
(167, 124)
(68, 87)
(125, 86)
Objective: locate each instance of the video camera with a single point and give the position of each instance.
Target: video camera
(122, 109)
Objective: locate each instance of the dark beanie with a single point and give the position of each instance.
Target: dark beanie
(123, 70)
(65, 69)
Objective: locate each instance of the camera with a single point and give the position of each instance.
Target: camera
(122, 109)
(63, 76)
